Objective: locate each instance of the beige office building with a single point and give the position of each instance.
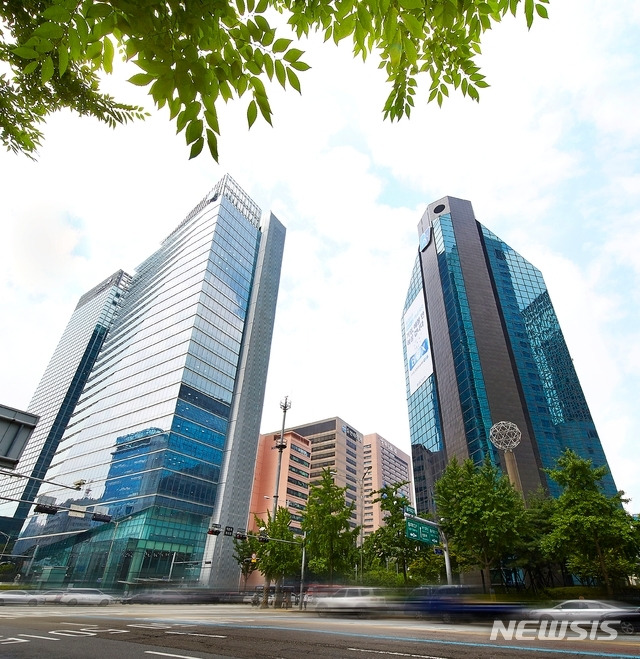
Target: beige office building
(384, 464)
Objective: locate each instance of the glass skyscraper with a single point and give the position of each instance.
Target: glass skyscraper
(165, 431)
(57, 394)
(482, 344)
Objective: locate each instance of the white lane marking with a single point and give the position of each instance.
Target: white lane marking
(166, 654)
(191, 634)
(44, 638)
(397, 654)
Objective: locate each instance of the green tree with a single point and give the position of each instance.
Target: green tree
(591, 530)
(280, 555)
(482, 513)
(243, 552)
(330, 538)
(194, 54)
(541, 570)
(390, 540)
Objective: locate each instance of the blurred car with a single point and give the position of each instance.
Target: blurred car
(50, 596)
(73, 596)
(353, 600)
(626, 618)
(455, 603)
(156, 597)
(198, 595)
(18, 597)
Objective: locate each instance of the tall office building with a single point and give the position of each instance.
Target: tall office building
(287, 475)
(482, 344)
(57, 394)
(166, 429)
(384, 465)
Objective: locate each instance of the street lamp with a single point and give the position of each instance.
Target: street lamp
(506, 436)
(280, 445)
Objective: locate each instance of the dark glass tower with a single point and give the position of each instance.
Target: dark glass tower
(482, 344)
(165, 432)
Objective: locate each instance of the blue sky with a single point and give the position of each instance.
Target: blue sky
(550, 160)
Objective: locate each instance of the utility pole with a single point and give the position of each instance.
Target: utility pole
(280, 445)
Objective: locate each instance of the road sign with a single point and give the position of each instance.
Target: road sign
(422, 531)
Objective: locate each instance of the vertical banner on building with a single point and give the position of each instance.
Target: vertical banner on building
(416, 336)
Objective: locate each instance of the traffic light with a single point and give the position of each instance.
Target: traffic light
(241, 534)
(45, 508)
(263, 537)
(214, 530)
(100, 517)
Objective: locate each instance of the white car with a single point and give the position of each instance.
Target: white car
(74, 596)
(18, 597)
(352, 599)
(50, 596)
(580, 609)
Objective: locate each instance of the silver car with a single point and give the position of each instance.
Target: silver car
(580, 609)
(18, 597)
(352, 599)
(74, 596)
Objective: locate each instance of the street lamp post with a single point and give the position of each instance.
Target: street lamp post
(366, 472)
(280, 445)
(304, 555)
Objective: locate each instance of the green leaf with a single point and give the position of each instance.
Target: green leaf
(241, 6)
(268, 66)
(212, 143)
(63, 58)
(24, 52)
(196, 149)
(542, 11)
(98, 10)
(293, 80)
(300, 66)
(49, 31)
(141, 79)
(46, 72)
(57, 13)
(212, 120)
(364, 17)
(280, 45)
(252, 113)
(74, 44)
(292, 55)
(31, 67)
(194, 130)
(107, 55)
(281, 74)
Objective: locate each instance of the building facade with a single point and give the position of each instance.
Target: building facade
(58, 392)
(384, 465)
(290, 482)
(166, 429)
(482, 344)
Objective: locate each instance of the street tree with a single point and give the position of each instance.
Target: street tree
(599, 540)
(193, 55)
(390, 540)
(482, 514)
(245, 554)
(278, 552)
(330, 539)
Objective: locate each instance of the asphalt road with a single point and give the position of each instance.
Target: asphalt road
(241, 631)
